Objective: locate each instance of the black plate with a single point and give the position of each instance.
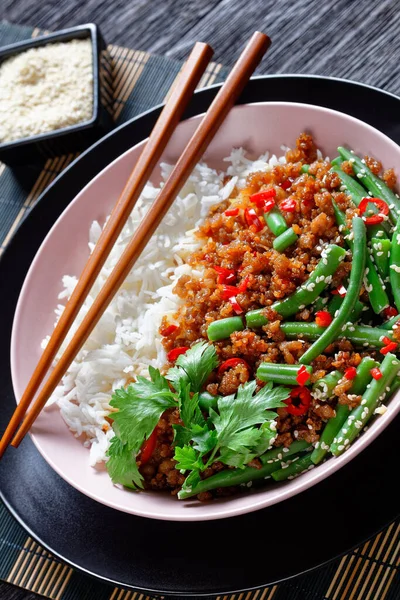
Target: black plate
(192, 558)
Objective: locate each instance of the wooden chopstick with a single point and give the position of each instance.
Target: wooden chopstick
(159, 137)
(195, 148)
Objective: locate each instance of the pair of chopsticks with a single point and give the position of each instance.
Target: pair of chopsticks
(163, 129)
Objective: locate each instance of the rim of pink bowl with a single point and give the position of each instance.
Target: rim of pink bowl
(281, 491)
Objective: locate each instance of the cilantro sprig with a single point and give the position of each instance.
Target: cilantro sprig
(241, 429)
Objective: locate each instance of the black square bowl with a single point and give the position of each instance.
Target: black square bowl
(34, 149)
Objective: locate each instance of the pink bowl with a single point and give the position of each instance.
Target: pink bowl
(256, 127)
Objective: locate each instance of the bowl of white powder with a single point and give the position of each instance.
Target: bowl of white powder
(55, 95)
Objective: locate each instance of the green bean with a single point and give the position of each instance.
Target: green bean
(305, 168)
(394, 386)
(321, 303)
(357, 193)
(395, 265)
(349, 302)
(373, 395)
(295, 468)
(231, 477)
(391, 323)
(381, 253)
(286, 239)
(335, 423)
(281, 373)
(307, 292)
(378, 297)
(337, 162)
(372, 182)
(358, 335)
(323, 388)
(219, 330)
(275, 221)
(337, 302)
(207, 401)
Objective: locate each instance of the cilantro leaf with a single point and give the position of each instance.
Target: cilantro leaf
(182, 435)
(140, 407)
(267, 436)
(193, 367)
(204, 439)
(245, 411)
(122, 466)
(188, 458)
(234, 459)
(189, 407)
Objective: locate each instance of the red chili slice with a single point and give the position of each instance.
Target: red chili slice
(288, 205)
(374, 219)
(323, 318)
(228, 291)
(302, 376)
(175, 352)
(232, 212)
(252, 219)
(341, 291)
(236, 306)
(389, 348)
(350, 372)
(264, 200)
(225, 275)
(285, 185)
(166, 331)
(376, 373)
(387, 340)
(243, 285)
(390, 312)
(148, 447)
(230, 363)
(304, 397)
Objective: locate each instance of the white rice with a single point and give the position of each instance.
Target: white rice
(126, 340)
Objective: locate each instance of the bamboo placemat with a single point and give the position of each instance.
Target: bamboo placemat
(370, 572)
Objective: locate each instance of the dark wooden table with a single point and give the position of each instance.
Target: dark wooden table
(355, 39)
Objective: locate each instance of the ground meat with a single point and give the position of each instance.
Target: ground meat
(389, 177)
(264, 276)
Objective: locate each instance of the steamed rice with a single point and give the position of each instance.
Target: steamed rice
(126, 340)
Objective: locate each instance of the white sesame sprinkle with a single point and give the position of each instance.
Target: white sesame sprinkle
(380, 410)
(341, 447)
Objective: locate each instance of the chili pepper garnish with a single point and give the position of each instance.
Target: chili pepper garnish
(175, 352)
(288, 205)
(350, 373)
(285, 185)
(374, 219)
(390, 312)
(389, 346)
(252, 219)
(228, 291)
(230, 363)
(225, 275)
(341, 291)
(304, 396)
(376, 373)
(323, 318)
(236, 306)
(243, 285)
(232, 212)
(302, 376)
(148, 447)
(264, 200)
(166, 331)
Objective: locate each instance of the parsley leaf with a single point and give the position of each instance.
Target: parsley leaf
(189, 407)
(193, 367)
(140, 407)
(122, 466)
(204, 439)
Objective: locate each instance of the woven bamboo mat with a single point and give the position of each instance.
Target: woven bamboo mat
(370, 572)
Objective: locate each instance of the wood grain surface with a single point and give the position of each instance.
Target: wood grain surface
(354, 39)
